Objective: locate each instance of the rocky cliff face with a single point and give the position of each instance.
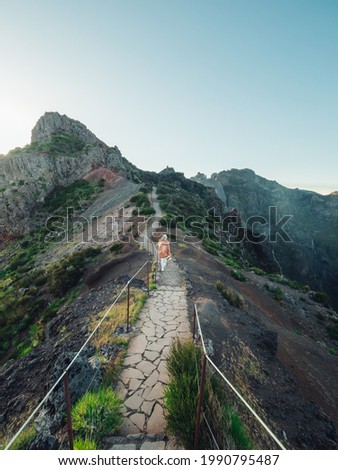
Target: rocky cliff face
(54, 123)
(62, 151)
(310, 255)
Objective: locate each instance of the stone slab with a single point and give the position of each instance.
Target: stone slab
(156, 422)
(128, 427)
(137, 344)
(138, 419)
(134, 402)
(133, 359)
(151, 380)
(146, 367)
(156, 392)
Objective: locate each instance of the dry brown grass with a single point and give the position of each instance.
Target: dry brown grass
(116, 317)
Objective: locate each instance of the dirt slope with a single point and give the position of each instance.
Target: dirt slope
(276, 353)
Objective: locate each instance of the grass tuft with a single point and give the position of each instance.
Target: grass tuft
(97, 414)
(233, 297)
(85, 444)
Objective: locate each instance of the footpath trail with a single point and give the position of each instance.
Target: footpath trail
(163, 318)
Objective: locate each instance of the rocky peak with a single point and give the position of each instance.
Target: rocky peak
(28, 175)
(53, 123)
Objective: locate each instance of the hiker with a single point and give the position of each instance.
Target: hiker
(163, 249)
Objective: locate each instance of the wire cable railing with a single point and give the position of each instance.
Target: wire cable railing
(198, 335)
(64, 374)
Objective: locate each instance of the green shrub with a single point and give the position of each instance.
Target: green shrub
(279, 295)
(277, 291)
(322, 298)
(71, 196)
(285, 281)
(320, 317)
(146, 188)
(57, 144)
(181, 394)
(140, 199)
(67, 273)
(211, 246)
(116, 248)
(84, 444)
(181, 398)
(238, 275)
(97, 414)
(258, 271)
(231, 263)
(233, 297)
(238, 433)
(142, 202)
(147, 210)
(333, 330)
(333, 351)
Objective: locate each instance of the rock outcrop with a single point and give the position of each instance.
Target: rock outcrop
(52, 123)
(28, 175)
(310, 254)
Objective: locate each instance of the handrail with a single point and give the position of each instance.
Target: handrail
(261, 422)
(206, 356)
(28, 420)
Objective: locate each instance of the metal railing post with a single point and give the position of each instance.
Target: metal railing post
(194, 324)
(128, 306)
(68, 412)
(155, 275)
(200, 400)
(148, 278)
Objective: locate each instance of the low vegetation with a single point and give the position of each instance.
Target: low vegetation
(81, 443)
(332, 329)
(74, 196)
(275, 290)
(142, 202)
(233, 297)
(31, 295)
(181, 399)
(322, 298)
(258, 271)
(58, 144)
(116, 317)
(23, 441)
(238, 275)
(97, 414)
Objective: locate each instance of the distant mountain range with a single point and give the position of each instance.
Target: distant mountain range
(311, 255)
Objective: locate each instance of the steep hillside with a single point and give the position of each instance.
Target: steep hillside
(273, 342)
(61, 152)
(299, 233)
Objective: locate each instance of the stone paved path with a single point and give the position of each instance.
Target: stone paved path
(163, 318)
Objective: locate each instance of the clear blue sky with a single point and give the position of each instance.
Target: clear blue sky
(197, 85)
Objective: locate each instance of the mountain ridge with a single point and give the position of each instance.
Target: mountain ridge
(311, 222)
